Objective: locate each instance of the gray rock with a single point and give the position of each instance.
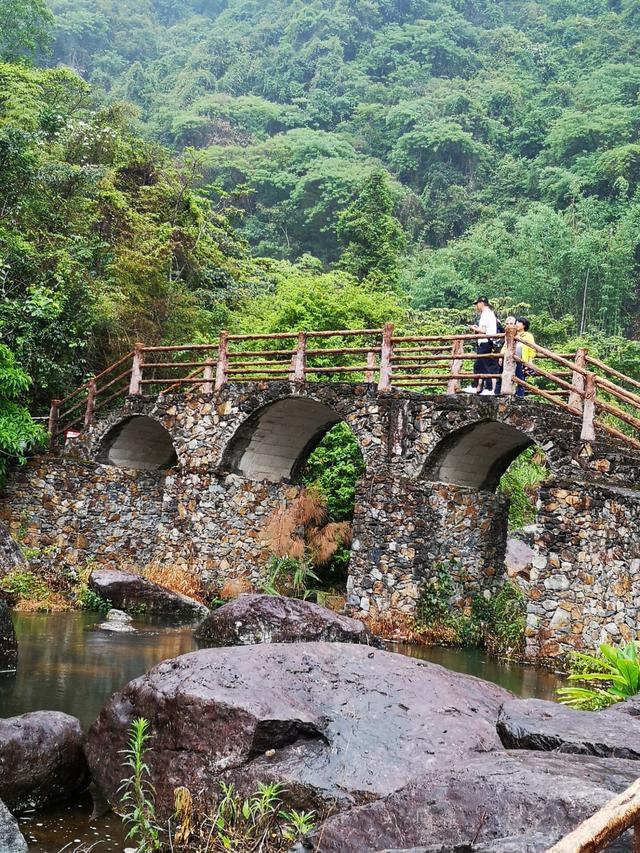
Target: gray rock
(11, 839)
(346, 723)
(128, 591)
(41, 759)
(519, 558)
(11, 557)
(540, 725)
(276, 619)
(118, 622)
(8, 642)
(509, 802)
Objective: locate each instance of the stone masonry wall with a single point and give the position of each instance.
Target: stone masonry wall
(585, 581)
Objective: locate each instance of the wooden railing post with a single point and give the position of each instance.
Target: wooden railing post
(54, 417)
(386, 351)
(223, 360)
(577, 381)
(508, 386)
(457, 351)
(91, 403)
(207, 376)
(589, 409)
(136, 370)
(371, 367)
(296, 374)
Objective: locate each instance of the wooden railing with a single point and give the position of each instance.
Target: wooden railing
(608, 823)
(576, 382)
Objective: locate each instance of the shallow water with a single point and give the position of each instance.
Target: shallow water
(64, 665)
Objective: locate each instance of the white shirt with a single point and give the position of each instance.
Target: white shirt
(488, 324)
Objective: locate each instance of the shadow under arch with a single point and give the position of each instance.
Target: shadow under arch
(138, 442)
(275, 441)
(477, 455)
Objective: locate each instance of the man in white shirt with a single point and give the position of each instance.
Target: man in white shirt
(487, 325)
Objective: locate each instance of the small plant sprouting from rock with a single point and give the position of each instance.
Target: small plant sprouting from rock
(253, 824)
(616, 668)
(138, 794)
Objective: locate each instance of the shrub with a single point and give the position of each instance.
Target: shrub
(618, 668)
(90, 600)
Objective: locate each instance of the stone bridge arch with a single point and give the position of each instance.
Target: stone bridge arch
(138, 442)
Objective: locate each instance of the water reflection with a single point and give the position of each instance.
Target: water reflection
(63, 665)
(525, 681)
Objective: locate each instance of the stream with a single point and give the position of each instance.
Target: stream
(65, 666)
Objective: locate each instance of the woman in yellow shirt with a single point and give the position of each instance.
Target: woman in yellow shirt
(523, 352)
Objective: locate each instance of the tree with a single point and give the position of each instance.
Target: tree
(372, 236)
(19, 433)
(25, 28)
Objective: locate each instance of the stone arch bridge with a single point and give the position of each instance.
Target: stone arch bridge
(191, 477)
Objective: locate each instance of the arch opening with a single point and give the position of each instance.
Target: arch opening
(275, 442)
(477, 456)
(138, 442)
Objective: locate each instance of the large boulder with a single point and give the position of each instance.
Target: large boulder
(133, 593)
(336, 723)
(8, 643)
(11, 839)
(521, 802)
(276, 619)
(41, 759)
(541, 725)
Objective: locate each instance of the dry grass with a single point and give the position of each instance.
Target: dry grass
(177, 579)
(233, 587)
(54, 602)
(297, 530)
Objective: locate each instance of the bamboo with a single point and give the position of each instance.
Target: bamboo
(547, 353)
(616, 433)
(540, 371)
(622, 393)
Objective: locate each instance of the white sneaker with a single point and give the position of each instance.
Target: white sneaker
(469, 390)
(487, 393)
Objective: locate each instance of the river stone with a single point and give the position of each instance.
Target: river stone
(41, 759)
(128, 591)
(276, 619)
(8, 642)
(521, 802)
(336, 723)
(538, 724)
(117, 621)
(11, 839)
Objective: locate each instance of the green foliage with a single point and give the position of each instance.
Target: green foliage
(502, 619)
(520, 484)
(90, 600)
(137, 798)
(18, 431)
(618, 668)
(434, 606)
(288, 576)
(254, 823)
(24, 585)
(25, 27)
(334, 468)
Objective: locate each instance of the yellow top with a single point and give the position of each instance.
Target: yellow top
(528, 353)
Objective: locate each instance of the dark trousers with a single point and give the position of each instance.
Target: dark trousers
(520, 392)
(484, 365)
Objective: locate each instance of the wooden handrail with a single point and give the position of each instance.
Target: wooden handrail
(392, 360)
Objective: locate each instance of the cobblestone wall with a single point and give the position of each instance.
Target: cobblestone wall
(204, 515)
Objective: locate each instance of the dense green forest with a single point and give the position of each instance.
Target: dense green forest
(168, 169)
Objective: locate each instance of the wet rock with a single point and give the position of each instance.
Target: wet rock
(537, 724)
(8, 642)
(11, 839)
(131, 592)
(117, 621)
(512, 802)
(276, 619)
(336, 723)
(41, 759)
(11, 557)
